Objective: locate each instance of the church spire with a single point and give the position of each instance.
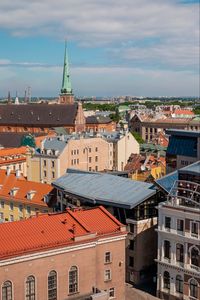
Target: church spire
(66, 82)
(66, 96)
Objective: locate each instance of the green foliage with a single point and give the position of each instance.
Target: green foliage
(138, 137)
(28, 140)
(100, 107)
(115, 116)
(197, 110)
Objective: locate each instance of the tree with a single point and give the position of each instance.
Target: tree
(138, 137)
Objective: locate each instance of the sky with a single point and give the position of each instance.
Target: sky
(115, 47)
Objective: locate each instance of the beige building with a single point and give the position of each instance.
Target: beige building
(63, 256)
(178, 258)
(88, 152)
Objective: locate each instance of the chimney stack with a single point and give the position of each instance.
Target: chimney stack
(8, 170)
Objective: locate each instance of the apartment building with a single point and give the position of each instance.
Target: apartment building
(150, 127)
(13, 158)
(63, 256)
(131, 202)
(183, 149)
(21, 199)
(178, 257)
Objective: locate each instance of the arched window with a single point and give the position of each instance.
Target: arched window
(7, 290)
(166, 280)
(73, 280)
(179, 284)
(179, 252)
(195, 256)
(30, 288)
(52, 285)
(167, 252)
(193, 288)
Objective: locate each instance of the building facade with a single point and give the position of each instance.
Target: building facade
(63, 256)
(178, 258)
(183, 149)
(14, 159)
(21, 199)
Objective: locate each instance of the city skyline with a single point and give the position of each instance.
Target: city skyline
(126, 48)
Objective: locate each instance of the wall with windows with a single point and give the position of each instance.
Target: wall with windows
(95, 266)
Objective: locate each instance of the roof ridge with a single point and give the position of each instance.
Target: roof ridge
(71, 213)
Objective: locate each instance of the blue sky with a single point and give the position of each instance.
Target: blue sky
(129, 47)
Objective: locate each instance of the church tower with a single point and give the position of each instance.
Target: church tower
(66, 95)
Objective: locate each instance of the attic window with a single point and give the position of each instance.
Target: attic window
(38, 118)
(31, 112)
(30, 195)
(13, 191)
(50, 113)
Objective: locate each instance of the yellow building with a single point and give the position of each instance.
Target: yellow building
(20, 199)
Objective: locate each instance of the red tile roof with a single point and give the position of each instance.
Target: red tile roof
(49, 231)
(13, 151)
(183, 112)
(9, 182)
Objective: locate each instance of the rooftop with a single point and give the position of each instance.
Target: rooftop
(185, 133)
(107, 189)
(50, 231)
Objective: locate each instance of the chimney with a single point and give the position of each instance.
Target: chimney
(8, 170)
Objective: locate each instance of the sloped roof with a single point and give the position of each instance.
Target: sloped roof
(98, 120)
(103, 188)
(183, 112)
(50, 231)
(8, 182)
(166, 182)
(38, 114)
(14, 139)
(13, 151)
(180, 145)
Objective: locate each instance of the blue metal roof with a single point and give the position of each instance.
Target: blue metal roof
(167, 181)
(191, 169)
(179, 145)
(105, 189)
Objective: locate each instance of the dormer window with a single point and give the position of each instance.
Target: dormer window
(13, 191)
(30, 195)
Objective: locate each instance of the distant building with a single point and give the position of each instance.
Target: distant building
(21, 199)
(150, 127)
(132, 202)
(100, 124)
(179, 235)
(63, 256)
(183, 149)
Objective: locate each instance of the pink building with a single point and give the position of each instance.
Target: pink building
(79, 254)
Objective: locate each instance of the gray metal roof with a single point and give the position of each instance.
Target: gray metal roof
(104, 188)
(191, 169)
(167, 181)
(185, 133)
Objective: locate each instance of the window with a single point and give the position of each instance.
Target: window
(72, 152)
(194, 229)
(11, 218)
(132, 245)
(72, 162)
(193, 288)
(77, 161)
(96, 168)
(1, 216)
(111, 293)
(7, 290)
(179, 284)
(107, 275)
(179, 252)
(195, 256)
(90, 150)
(73, 280)
(96, 158)
(30, 288)
(52, 286)
(167, 222)
(180, 225)
(131, 261)
(45, 163)
(107, 257)
(11, 206)
(20, 207)
(166, 280)
(96, 149)
(53, 163)
(132, 228)
(167, 247)
(77, 151)
(53, 174)
(90, 159)
(28, 209)
(45, 173)
(90, 168)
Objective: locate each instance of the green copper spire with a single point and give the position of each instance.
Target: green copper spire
(66, 82)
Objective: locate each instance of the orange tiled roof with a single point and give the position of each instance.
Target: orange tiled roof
(23, 187)
(48, 231)
(183, 112)
(13, 151)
